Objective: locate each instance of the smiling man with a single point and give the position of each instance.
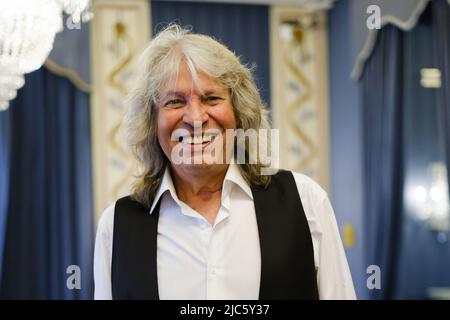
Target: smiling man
(217, 229)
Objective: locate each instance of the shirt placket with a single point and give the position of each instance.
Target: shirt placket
(215, 258)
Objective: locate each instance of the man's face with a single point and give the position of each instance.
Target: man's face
(189, 117)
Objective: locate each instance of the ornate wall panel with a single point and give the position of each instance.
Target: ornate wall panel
(300, 90)
(120, 30)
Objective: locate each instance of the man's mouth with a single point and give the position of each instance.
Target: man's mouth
(193, 140)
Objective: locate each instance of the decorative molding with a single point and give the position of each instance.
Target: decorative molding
(68, 73)
(373, 34)
(316, 5)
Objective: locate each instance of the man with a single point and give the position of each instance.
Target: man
(198, 229)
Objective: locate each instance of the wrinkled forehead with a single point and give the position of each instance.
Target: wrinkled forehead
(187, 79)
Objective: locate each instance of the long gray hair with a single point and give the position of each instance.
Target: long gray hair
(158, 66)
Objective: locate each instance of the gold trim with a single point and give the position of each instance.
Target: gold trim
(68, 73)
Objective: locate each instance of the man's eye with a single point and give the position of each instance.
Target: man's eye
(173, 103)
(212, 99)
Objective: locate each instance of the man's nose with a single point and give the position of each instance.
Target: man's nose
(195, 113)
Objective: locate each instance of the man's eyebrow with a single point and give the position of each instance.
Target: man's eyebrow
(207, 92)
(211, 91)
(167, 94)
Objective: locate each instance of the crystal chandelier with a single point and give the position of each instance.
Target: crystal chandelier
(27, 32)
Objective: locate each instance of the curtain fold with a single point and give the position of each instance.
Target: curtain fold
(50, 220)
(441, 30)
(382, 122)
(4, 175)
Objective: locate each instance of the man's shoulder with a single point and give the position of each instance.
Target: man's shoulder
(106, 221)
(314, 200)
(127, 201)
(308, 187)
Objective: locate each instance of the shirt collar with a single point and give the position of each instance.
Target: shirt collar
(233, 175)
(166, 185)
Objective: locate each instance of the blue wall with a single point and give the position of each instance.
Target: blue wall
(346, 139)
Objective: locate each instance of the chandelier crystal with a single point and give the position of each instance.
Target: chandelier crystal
(27, 32)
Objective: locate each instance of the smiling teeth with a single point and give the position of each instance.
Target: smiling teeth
(197, 139)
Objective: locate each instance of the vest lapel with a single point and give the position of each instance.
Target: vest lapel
(287, 256)
(134, 266)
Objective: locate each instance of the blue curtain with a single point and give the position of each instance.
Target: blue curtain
(441, 31)
(423, 261)
(243, 28)
(4, 175)
(403, 138)
(50, 220)
(382, 110)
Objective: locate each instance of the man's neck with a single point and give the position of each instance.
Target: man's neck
(200, 189)
(193, 182)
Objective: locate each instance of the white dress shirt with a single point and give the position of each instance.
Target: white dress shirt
(197, 260)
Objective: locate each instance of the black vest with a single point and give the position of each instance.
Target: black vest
(287, 257)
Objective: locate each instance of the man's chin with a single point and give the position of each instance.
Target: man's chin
(202, 166)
